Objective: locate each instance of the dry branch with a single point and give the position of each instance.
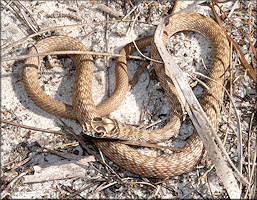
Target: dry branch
(196, 114)
(64, 169)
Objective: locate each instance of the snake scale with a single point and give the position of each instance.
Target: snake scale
(91, 117)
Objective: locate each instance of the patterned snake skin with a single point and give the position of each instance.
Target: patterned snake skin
(92, 118)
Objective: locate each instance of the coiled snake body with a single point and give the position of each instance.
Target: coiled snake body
(91, 116)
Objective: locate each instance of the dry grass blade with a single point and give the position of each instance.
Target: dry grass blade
(103, 186)
(4, 59)
(249, 40)
(251, 170)
(132, 10)
(244, 62)
(253, 52)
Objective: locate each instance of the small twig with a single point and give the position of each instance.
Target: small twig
(22, 162)
(240, 148)
(33, 128)
(109, 10)
(158, 189)
(103, 186)
(132, 10)
(107, 166)
(207, 180)
(154, 123)
(190, 192)
(24, 15)
(233, 8)
(231, 93)
(67, 156)
(145, 183)
(11, 184)
(63, 169)
(205, 174)
(70, 144)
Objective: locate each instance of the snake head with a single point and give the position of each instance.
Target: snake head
(100, 127)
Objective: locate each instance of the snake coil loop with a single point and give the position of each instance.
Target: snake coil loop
(90, 116)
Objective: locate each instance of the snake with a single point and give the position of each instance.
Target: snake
(94, 120)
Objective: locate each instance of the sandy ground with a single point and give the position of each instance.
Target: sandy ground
(19, 144)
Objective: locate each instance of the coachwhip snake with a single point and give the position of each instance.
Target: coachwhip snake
(92, 118)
